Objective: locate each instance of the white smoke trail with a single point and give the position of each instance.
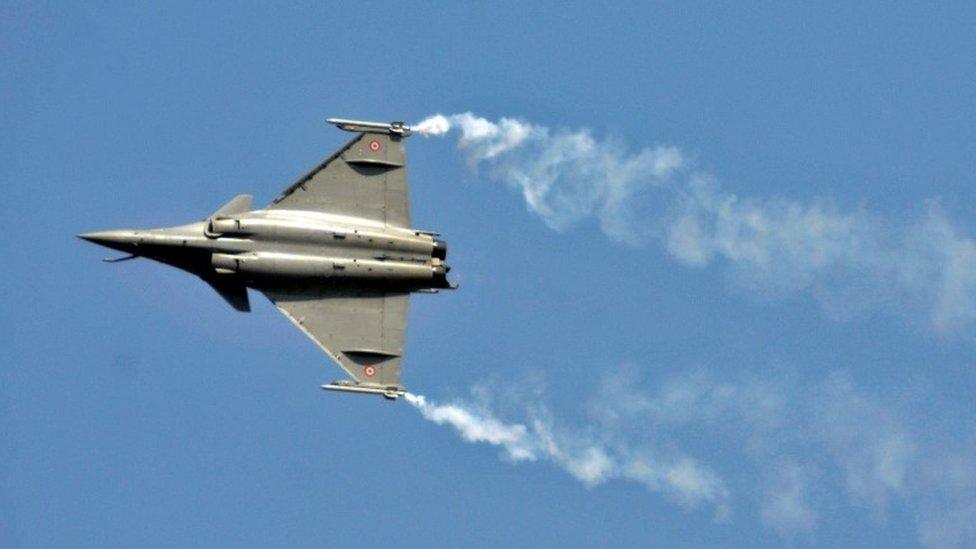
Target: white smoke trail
(786, 445)
(794, 438)
(848, 260)
(478, 427)
(590, 461)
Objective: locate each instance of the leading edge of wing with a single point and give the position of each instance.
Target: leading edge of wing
(308, 334)
(290, 189)
(362, 332)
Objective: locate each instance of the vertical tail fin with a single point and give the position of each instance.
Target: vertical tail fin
(239, 204)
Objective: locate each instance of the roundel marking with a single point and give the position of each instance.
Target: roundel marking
(374, 145)
(370, 371)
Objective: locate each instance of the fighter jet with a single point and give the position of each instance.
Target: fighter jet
(334, 252)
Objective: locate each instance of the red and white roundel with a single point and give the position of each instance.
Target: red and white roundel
(374, 145)
(370, 371)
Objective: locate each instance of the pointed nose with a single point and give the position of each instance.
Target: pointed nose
(119, 240)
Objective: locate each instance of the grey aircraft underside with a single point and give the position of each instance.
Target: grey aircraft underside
(334, 252)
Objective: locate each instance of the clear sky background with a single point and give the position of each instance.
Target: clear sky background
(741, 390)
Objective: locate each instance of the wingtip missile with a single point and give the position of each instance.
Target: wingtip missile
(390, 393)
(398, 128)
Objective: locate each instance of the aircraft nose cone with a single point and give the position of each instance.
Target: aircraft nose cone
(119, 240)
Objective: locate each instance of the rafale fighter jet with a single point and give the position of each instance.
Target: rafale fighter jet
(334, 252)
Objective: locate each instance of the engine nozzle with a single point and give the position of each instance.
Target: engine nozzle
(440, 249)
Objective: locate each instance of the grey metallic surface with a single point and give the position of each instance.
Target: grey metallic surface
(334, 252)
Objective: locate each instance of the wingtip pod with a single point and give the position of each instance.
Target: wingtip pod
(390, 393)
(398, 128)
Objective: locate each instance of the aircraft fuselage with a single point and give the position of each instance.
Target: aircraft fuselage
(261, 248)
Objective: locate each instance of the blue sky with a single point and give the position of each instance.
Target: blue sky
(782, 355)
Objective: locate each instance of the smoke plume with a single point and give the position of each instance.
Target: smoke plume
(590, 460)
(776, 444)
(786, 440)
(850, 260)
